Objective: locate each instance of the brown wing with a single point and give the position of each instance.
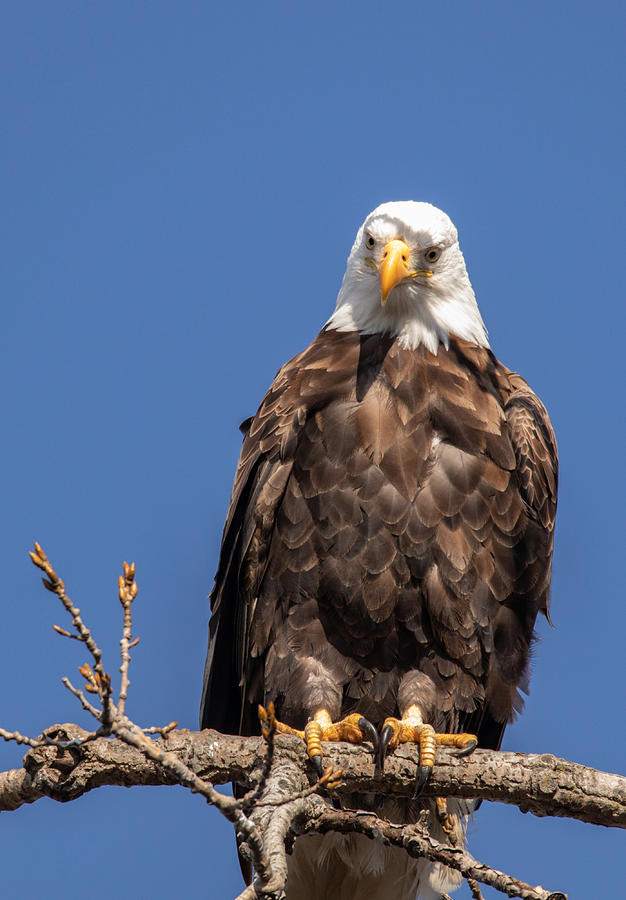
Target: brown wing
(526, 571)
(266, 460)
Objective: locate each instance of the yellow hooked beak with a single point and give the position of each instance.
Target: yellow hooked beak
(394, 267)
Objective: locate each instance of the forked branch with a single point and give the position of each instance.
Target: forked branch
(282, 799)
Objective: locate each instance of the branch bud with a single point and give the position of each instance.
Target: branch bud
(85, 671)
(62, 631)
(39, 551)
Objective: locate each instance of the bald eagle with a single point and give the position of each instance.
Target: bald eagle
(388, 544)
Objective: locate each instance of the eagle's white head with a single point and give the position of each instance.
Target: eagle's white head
(406, 276)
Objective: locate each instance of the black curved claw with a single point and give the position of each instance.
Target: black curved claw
(465, 751)
(316, 759)
(369, 732)
(383, 743)
(424, 773)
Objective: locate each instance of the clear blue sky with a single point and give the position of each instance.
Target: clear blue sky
(181, 184)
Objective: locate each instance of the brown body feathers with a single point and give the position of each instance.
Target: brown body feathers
(389, 540)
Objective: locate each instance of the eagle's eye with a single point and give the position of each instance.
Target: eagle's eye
(370, 241)
(432, 254)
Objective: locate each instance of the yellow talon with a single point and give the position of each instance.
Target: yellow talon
(354, 728)
(464, 742)
(412, 729)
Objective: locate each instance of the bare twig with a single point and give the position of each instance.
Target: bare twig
(64, 633)
(268, 729)
(84, 702)
(330, 778)
(18, 738)
(53, 583)
(45, 740)
(114, 721)
(417, 842)
(185, 776)
(182, 774)
(160, 729)
(127, 593)
(475, 889)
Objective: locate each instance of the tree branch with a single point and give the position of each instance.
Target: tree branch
(316, 817)
(543, 785)
(281, 801)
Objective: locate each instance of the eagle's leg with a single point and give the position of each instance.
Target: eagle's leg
(354, 728)
(412, 729)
